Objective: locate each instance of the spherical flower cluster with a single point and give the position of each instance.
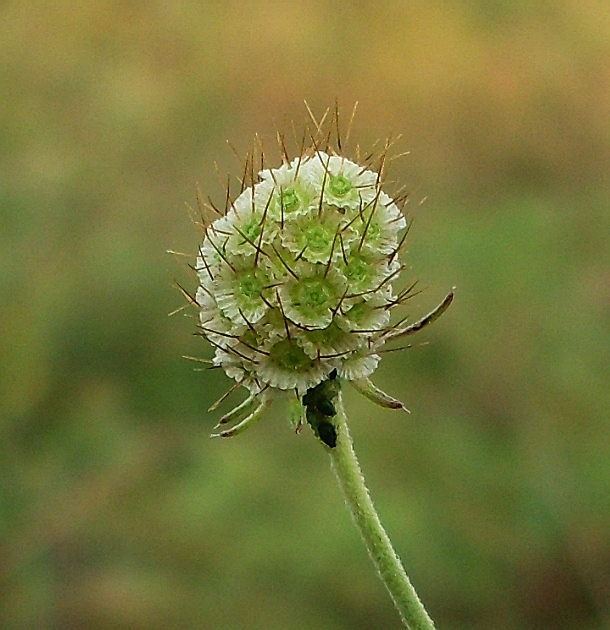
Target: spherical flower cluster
(296, 280)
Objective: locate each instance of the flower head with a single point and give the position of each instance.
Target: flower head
(297, 280)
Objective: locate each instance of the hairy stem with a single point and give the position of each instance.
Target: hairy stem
(388, 564)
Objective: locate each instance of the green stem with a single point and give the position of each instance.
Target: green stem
(388, 564)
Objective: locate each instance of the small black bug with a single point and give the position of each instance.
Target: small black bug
(320, 408)
(327, 433)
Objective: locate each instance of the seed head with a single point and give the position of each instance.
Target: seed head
(296, 279)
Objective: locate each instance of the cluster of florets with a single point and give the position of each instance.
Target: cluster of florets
(295, 279)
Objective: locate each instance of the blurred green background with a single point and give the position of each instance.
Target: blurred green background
(116, 509)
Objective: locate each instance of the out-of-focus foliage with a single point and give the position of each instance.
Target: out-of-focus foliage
(116, 510)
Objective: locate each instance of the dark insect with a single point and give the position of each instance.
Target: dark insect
(320, 409)
(327, 433)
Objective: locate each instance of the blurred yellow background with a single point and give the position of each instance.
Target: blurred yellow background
(116, 510)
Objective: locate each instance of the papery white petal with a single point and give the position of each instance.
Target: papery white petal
(358, 366)
(287, 366)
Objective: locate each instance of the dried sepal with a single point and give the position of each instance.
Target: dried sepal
(239, 412)
(428, 319)
(248, 421)
(365, 387)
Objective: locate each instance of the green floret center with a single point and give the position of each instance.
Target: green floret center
(359, 312)
(289, 199)
(312, 293)
(251, 230)
(249, 287)
(339, 185)
(318, 238)
(288, 356)
(311, 301)
(358, 271)
(373, 231)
